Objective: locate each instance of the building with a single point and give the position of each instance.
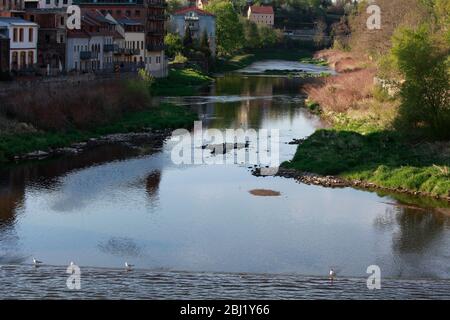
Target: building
(197, 21)
(31, 4)
(52, 36)
(11, 8)
(51, 4)
(133, 47)
(91, 48)
(23, 37)
(201, 4)
(261, 14)
(4, 51)
(151, 13)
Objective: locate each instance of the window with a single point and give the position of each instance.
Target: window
(118, 13)
(15, 35)
(62, 21)
(142, 45)
(137, 13)
(30, 57)
(64, 1)
(47, 1)
(128, 13)
(61, 39)
(21, 35)
(30, 35)
(32, 18)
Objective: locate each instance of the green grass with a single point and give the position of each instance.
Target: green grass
(242, 60)
(381, 157)
(164, 116)
(180, 82)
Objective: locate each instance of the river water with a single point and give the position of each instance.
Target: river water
(116, 203)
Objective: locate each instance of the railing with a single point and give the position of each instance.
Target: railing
(85, 55)
(110, 48)
(127, 51)
(157, 17)
(155, 47)
(155, 31)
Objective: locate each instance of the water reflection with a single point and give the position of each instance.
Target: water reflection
(113, 202)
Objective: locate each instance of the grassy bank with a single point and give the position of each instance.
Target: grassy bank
(383, 158)
(361, 145)
(180, 82)
(162, 117)
(242, 60)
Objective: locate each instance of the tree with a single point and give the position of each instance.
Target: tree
(267, 36)
(204, 44)
(173, 5)
(187, 39)
(252, 39)
(423, 61)
(173, 44)
(229, 31)
(320, 34)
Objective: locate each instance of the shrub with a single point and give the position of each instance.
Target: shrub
(425, 93)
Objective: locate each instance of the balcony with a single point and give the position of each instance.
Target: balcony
(155, 32)
(127, 51)
(110, 48)
(85, 55)
(156, 17)
(155, 47)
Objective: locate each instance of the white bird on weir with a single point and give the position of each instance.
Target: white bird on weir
(332, 274)
(36, 262)
(128, 266)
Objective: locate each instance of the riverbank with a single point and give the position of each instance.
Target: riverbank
(243, 60)
(181, 82)
(42, 144)
(361, 149)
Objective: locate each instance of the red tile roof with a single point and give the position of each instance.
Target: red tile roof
(261, 9)
(199, 11)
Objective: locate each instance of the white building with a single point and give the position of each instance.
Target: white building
(92, 47)
(134, 40)
(197, 21)
(23, 37)
(263, 15)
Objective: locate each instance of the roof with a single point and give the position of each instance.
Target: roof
(5, 21)
(195, 9)
(261, 9)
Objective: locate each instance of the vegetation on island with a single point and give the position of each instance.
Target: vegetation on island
(181, 82)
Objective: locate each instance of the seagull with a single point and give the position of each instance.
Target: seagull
(36, 262)
(129, 266)
(332, 274)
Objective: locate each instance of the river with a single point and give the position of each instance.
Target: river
(118, 203)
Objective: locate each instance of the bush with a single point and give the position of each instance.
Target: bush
(80, 107)
(425, 93)
(179, 58)
(173, 44)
